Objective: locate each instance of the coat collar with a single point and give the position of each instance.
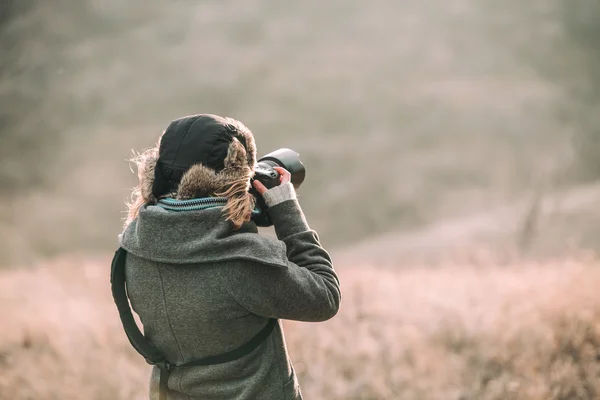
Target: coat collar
(198, 237)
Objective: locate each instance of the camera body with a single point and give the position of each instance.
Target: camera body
(268, 176)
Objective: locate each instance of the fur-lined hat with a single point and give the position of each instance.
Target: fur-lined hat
(198, 156)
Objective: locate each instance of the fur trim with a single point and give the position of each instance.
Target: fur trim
(236, 155)
(245, 135)
(233, 183)
(142, 194)
(198, 181)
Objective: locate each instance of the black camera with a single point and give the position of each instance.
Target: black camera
(268, 176)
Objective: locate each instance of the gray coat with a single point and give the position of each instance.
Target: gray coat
(201, 288)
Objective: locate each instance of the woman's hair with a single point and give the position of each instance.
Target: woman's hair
(232, 182)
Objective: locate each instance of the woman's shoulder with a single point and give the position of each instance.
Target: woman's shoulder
(257, 247)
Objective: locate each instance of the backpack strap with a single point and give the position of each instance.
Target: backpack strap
(119, 292)
(143, 346)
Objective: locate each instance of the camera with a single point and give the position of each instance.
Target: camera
(268, 176)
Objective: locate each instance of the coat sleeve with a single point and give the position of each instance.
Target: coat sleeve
(308, 289)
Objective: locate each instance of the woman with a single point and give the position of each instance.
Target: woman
(201, 278)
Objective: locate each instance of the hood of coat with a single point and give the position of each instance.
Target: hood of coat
(198, 237)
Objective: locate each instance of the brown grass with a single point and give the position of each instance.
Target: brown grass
(529, 331)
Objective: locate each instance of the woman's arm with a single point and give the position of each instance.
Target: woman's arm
(307, 290)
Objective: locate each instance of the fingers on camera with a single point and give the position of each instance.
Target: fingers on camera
(285, 175)
(260, 187)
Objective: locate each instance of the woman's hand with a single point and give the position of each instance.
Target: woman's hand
(284, 177)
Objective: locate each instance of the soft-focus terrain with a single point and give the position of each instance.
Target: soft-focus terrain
(405, 111)
(476, 330)
(430, 130)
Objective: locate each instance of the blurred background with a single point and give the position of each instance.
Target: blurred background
(445, 142)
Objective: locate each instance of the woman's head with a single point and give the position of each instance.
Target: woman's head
(199, 156)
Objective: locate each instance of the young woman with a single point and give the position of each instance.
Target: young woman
(204, 282)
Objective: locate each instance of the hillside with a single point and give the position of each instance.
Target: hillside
(405, 112)
(546, 224)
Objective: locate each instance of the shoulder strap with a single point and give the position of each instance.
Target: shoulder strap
(238, 352)
(135, 336)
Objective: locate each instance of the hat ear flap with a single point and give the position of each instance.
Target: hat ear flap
(236, 155)
(146, 165)
(236, 182)
(246, 138)
(142, 193)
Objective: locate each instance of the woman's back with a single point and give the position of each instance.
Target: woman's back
(203, 286)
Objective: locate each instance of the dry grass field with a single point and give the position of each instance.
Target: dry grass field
(455, 331)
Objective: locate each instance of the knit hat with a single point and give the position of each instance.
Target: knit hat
(198, 156)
